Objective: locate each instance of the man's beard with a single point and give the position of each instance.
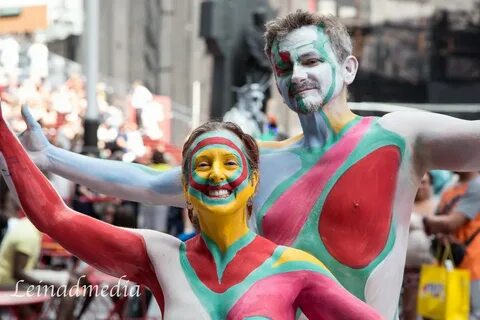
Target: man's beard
(308, 104)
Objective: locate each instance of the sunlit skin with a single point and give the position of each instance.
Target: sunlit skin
(343, 190)
(226, 272)
(226, 183)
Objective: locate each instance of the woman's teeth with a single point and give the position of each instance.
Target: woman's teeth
(218, 193)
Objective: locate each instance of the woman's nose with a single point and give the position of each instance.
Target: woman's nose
(217, 175)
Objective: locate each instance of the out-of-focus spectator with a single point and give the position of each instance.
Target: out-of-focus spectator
(155, 217)
(418, 250)
(38, 55)
(152, 117)
(458, 217)
(140, 97)
(9, 55)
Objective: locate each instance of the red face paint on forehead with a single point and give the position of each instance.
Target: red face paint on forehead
(220, 141)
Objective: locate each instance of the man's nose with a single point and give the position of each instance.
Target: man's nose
(216, 175)
(298, 73)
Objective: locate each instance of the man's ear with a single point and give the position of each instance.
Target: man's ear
(350, 67)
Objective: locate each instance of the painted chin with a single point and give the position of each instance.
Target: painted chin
(307, 103)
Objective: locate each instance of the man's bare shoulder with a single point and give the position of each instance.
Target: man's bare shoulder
(404, 123)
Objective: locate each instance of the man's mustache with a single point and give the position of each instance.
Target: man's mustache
(296, 88)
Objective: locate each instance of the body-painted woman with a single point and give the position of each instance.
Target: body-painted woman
(225, 272)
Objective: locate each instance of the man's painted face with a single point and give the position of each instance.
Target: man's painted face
(219, 173)
(306, 69)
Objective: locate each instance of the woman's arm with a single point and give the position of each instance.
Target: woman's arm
(117, 251)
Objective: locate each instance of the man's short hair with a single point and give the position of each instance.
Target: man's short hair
(279, 27)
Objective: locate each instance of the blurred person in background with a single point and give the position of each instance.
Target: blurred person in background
(458, 220)
(418, 250)
(155, 217)
(139, 99)
(19, 256)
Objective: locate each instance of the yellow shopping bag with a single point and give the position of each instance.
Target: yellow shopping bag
(443, 294)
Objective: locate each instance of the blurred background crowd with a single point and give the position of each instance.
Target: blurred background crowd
(166, 66)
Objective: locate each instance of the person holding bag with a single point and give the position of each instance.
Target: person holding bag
(458, 220)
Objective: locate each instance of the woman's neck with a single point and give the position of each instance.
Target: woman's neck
(223, 230)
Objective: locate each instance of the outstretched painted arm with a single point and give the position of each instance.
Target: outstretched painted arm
(438, 141)
(127, 181)
(116, 251)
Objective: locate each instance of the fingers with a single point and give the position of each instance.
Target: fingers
(28, 118)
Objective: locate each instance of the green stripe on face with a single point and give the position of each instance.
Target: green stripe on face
(218, 201)
(234, 175)
(329, 57)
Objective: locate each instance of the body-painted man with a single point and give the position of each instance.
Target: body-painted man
(343, 190)
(226, 272)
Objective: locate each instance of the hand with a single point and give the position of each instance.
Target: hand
(34, 141)
(426, 225)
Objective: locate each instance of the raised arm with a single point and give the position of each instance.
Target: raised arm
(117, 251)
(438, 141)
(127, 181)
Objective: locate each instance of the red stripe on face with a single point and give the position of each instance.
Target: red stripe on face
(204, 188)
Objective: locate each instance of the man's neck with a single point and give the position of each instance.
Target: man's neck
(328, 121)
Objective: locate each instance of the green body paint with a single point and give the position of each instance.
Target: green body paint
(219, 304)
(354, 280)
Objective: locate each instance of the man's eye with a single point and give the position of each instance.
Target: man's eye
(311, 62)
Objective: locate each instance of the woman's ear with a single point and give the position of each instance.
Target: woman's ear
(185, 187)
(254, 178)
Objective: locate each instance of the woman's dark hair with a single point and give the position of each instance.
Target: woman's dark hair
(251, 150)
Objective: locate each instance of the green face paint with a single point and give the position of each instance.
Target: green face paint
(219, 171)
(306, 69)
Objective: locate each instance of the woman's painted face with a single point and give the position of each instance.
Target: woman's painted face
(306, 69)
(219, 177)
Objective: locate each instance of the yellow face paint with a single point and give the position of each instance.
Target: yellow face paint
(219, 176)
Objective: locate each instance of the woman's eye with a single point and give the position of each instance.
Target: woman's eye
(203, 165)
(231, 163)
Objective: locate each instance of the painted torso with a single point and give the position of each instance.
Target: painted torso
(339, 201)
(261, 281)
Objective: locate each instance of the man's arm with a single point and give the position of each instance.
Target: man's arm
(127, 181)
(438, 141)
(465, 209)
(445, 223)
